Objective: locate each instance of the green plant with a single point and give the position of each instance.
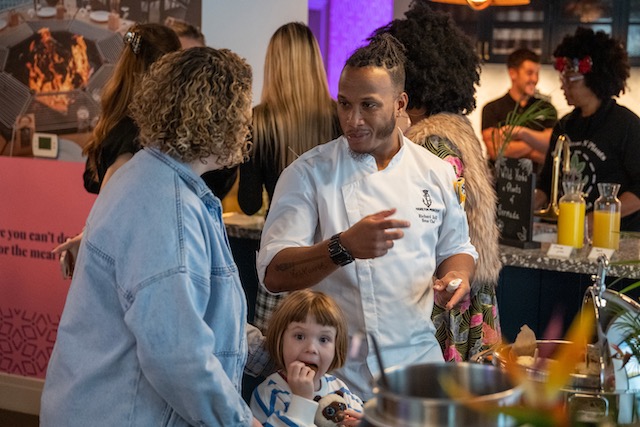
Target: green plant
(538, 112)
(629, 323)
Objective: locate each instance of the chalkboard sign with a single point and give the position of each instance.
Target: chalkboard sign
(515, 183)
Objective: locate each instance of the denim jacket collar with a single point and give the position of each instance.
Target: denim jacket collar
(194, 182)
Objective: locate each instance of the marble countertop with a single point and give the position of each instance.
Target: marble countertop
(250, 227)
(579, 261)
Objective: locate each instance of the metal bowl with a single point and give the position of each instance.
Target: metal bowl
(546, 348)
(414, 396)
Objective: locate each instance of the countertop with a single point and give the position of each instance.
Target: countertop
(578, 262)
(243, 226)
(250, 227)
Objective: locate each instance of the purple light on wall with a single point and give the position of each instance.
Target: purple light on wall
(350, 23)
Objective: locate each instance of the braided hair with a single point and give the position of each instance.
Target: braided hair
(384, 51)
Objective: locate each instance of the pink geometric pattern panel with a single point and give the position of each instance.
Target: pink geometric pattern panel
(26, 341)
(350, 23)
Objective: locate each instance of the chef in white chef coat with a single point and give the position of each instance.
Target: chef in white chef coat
(373, 220)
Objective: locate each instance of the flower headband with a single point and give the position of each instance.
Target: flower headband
(582, 66)
(133, 39)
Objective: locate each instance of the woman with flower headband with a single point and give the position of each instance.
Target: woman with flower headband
(605, 147)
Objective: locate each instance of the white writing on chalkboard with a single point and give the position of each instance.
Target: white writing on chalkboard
(513, 188)
(504, 213)
(518, 175)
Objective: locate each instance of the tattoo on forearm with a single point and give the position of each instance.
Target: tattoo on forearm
(302, 268)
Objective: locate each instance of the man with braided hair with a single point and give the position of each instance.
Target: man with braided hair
(370, 218)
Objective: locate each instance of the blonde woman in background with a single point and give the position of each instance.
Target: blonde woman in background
(296, 113)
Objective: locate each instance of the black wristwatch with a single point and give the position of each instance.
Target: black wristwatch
(338, 253)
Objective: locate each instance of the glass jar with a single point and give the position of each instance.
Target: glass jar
(606, 217)
(571, 216)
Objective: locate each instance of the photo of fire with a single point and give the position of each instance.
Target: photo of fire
(53, 66)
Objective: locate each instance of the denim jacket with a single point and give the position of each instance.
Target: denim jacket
(153, 329)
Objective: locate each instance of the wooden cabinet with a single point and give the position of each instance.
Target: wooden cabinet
(542, 24)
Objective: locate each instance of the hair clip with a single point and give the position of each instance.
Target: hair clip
(582, 66)
(133, 39)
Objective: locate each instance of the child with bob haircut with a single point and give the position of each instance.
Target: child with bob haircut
(306, 337)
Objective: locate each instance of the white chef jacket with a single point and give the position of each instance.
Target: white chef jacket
(327, 190)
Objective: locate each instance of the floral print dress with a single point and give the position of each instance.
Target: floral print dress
(474, 325)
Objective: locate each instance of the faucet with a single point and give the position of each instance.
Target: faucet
(596, 293)
(561, 153)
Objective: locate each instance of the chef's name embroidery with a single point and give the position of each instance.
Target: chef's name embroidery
(428, 215)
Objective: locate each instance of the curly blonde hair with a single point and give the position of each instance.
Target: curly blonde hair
(196, 103)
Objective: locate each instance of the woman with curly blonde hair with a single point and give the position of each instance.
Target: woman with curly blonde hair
(154, 322)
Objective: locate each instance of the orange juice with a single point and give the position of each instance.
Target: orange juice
(571, 224)
(606, 229)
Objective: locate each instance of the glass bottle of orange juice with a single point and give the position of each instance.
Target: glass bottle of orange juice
(571, 215)
(606, 217)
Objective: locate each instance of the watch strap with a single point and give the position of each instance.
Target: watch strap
(338, 253)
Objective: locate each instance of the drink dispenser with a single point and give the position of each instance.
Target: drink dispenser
(571, 213)
(606, 217)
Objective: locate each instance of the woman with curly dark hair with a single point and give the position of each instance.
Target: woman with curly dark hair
(442, 72)
(594, 68)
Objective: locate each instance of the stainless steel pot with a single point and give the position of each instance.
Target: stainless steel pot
(619, 408)
(612, 394)
(414, 396)
(503, 354)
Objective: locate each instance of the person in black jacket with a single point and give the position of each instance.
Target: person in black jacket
(605, 147)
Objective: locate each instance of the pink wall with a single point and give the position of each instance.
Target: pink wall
(41, 203)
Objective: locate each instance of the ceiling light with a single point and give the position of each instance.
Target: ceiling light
(483, 4)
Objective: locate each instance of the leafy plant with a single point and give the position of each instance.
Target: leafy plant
(629, 323)
(537, 113)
